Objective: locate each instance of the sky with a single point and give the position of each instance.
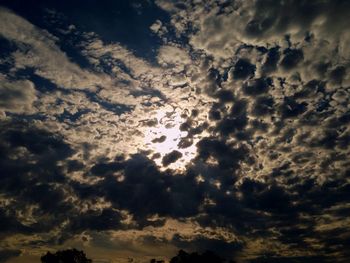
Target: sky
(132, 129)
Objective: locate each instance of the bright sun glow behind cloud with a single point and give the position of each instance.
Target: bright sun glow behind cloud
(165, 137)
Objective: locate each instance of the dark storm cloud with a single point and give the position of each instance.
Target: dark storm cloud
(226, 155)
(291, 58)
(214, 114)
(189, 126)
(325, 196)
(263, 106)
(31, 174)
(310, 89)
(6, 48)
(235, 120)
(337, 74)
(42, 151)
(272, 58)
(260, 197)
(171, 157)
(107, 219)
(225, 96)
(144, 190)
(10, 225)
(160, 139)
(290, 108)
(185, 143)
(243, 69)
(34, 178)
(29, 165)
(257, 86)
(103, 169)
(39, 142)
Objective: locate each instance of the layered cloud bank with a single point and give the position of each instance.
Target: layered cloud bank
(231, 134)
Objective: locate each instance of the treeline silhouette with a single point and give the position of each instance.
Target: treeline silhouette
(66, 256)
(76, 256)
(207, 257)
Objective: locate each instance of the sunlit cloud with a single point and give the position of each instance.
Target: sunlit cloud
(165, 137)
(132, 130)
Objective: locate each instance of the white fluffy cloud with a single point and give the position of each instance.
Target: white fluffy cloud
(17, 96)
(174, 57)
(44, 55)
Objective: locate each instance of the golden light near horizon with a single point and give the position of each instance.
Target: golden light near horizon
(165, 137)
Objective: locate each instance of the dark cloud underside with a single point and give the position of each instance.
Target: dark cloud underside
(134, 126)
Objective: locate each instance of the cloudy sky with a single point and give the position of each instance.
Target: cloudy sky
(132, 129)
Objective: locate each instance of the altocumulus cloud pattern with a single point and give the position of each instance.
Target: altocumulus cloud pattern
(133, 129)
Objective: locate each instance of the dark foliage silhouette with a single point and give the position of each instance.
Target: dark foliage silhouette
(206, 257)
(66, 256)
(76, 256)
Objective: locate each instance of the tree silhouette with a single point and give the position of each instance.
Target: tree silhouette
(76, 256)
(206, 257)
(66, 256)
